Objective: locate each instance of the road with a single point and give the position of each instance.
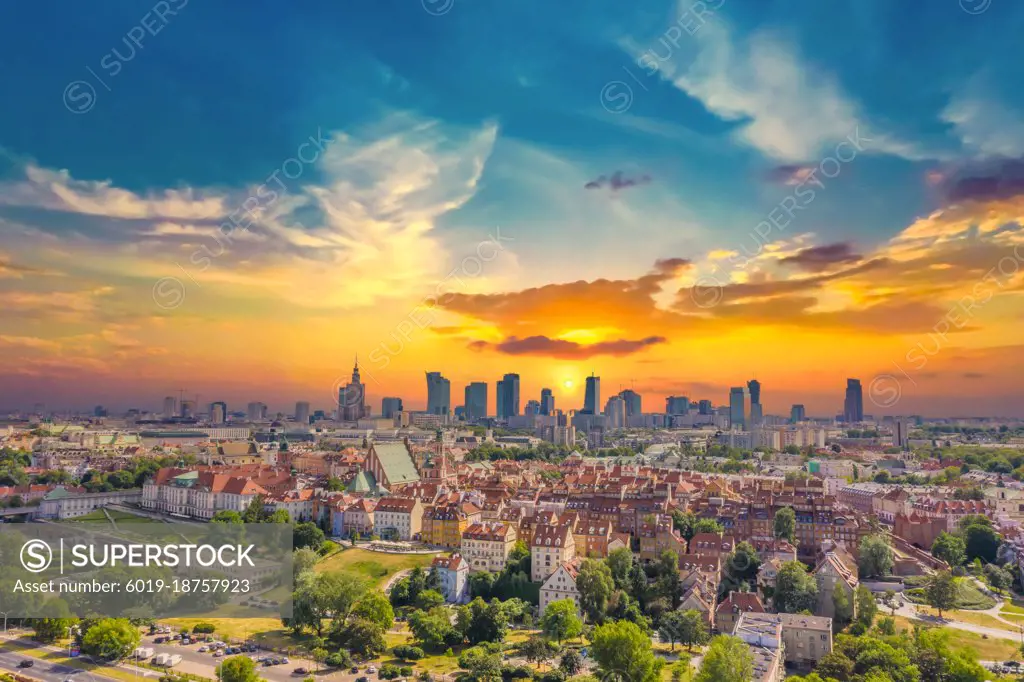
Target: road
(46, 671)
(908, 610)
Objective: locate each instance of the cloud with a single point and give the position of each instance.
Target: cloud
(617, 182)
(983, 123)
(12, 270)
(819, 258)
(562, 349)
(997, 179)
(789, 174)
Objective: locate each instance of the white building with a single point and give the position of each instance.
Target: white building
(561, 585)
(454, 573)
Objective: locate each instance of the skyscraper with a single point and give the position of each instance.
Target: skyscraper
(439, 394)
(302, 412)
(532, 407)
(170, 407)
(547, 402)
(592, 396)
(901, 433)
(218, 412)
(188, 409)
(756, 411)
(476, 401)
(615, 411)
(853, 406)
(677, 404)
(737, 407)
(352, 398)
(797, 414)
(633, 402)
(704, 407)
(508, 396)
(390, 406)
(256, 411)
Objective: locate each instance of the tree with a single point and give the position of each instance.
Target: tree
(795, 589)
(741, 566)
(595, 585)
(999, 578)
(671, 627)
(255, 512)
(560, 620)
(363, 636)
(308, 535)
(684, 523)
(728, 659)
(620, 561)
(843, 609)
(49, 630)
(941, 592)
(668, 585)
(623, 650)
(487, 621)
(429, 599)
(227, 516)
(785, 524)
(891, 601)
(433, 629)
(708, 526)
(834, 665)
(694, 631)
(536, 650)
(303, 560)
(950, 548)
(981, 541)
(374, 607)
(318, 595)
(111, 639)
(867, 607)
(238, 669)
(875, 557)
(571, 663)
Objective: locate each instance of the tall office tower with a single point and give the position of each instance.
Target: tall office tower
(439, 394)
(756, 412)
(170, 407)
(633, 402)
(188, 409)
(508, 396)
(532, 407)
(677, 404)
(99, 411)
(615, 411)
(389, 407)
(797, 414)
(218, 412)
(302, 412)
(352, 398)
(704, 407)
(737, 407)
(592, 396)
(853, 406)
(901, 433)
(547, 402)
(476, 401)
(256, 412)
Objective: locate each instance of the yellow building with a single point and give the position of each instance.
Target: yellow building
(444, 524)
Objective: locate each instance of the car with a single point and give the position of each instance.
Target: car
(364, 678)
(371, 670)
(354, 669)
(284, 659)
(159, 640)
(26, 664)
(1012, 664)
(203, 649)
(267, 663)
(300, 671)
(218, 653)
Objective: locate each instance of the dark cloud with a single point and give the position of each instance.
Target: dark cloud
(792, 174)
(820, 258)
(996, 180)
(558, 348)
(973, 375)
(617, 181)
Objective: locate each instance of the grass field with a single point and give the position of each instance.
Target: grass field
(374, 565)
(968, 596)
(973, 617)
(98, 516)
(990, 649)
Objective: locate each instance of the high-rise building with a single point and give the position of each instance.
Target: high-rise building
(188, 409)
(302, 412)
(677, 404)
(853, 406)
(170, 407)
(352, 398)
(797, 414)
(737, 407)
(547, 402)
(901, 433)
(756, 411)
(218, 412)
(389, 407)
(476, 401)
(633, 402)
(532, 407)
(256, 412)
(508, 396)
(439, 394)
(99, 411)
(592, 396)
(704, 407)
(615, 411)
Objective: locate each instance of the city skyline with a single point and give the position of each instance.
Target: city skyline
(596, 188)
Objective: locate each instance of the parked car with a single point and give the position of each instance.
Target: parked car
(371, 669)
(218, 653)
(300, 671)
(159, 640)
(364, 678)
(26, 664)
(284, 659)
(354, 669)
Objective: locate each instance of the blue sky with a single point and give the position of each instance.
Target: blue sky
(509, 109)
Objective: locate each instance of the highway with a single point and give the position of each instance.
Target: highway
(46, 671)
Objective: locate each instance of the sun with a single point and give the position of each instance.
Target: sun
(567, 384)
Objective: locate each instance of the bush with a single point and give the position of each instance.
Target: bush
(551, 676)
(389, 671)
(406, 671)
(341, 659)
(516, 672)
(408, 653)
(204, 628)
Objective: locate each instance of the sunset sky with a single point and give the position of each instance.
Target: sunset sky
(237, 202)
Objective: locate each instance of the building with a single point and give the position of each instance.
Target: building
(834, 572)
(256, 412)
(547, 402)
(561, 585)
(398, 518)
(218, 413)
(592, 396)
(677, 405)
(615, 411)
(901, 433)
(444, 524)
(756, 412)
(170, 407)
(634, 402)
(803, 640)
(60, 503)
(507, 396)
(733, 606)
(797, 414)
(454, 574)
(389, 467)
(705, 407)
(853, 406)
(439, 394)
(737, 407)
(359, 517)
(486, 546)
(352, 398)
(390, 406)
(302, 413)
(552, 546)
(476, 401)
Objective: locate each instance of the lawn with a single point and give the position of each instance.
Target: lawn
(991, 649)
(968, 596)
(983, 619)
(60, 658)
(118, 516)
(374, 565)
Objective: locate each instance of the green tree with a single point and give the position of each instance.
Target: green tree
(308, 535)
(728, 659)
(708, 526)
(671, 627)
(693, 630)
(981, 541)
(303, 560)
(571, 663)
(560, 620)
(891, 601)
(867, 607)
(595, 585)
(741, 566)
(795, 589)
(488, 621)
(536, 650)
(255, 512)
(875, 557)
(49, 630)
(620, 561)
(363, 636)
(835, 665)
(950, 548)
(374, 607)
(429, 599)
(623, 650)
(941, 592)
(433, 629)
(999, 578)
(238, 669)
(785, 524)
(668, 585)
(111, 639)
(843, 609)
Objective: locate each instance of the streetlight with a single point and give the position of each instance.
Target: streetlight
(5, 621)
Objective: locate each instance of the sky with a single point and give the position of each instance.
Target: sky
(675, 196)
